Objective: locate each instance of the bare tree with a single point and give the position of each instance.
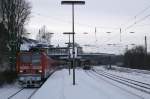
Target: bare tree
(14, 14)
(44, 36)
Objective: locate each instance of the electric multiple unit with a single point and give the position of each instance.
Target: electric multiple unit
(34, 67)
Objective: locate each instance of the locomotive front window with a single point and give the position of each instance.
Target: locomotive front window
(25, 58)
(36, 59)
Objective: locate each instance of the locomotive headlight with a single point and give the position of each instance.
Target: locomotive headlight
(40, 71)
(21, 71)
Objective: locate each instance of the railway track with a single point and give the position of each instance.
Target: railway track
(15, 93)
(97, 78)
(138, 83)
(20, 91)
(23, 89)
(141, 86)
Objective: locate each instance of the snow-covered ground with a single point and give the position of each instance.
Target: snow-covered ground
(59, 86)
(88, 86)
(135, 74)
(7, 90)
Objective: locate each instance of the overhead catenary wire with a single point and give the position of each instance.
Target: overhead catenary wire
(136, 22)
(140, 20)
(103, 27)
(87, 25)
(69, 22)
(137, 15)
(145, 9)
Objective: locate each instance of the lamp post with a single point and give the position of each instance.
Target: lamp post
(73, 51)
(69, 49)
(145, 38)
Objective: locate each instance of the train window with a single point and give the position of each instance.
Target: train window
(36, 59)
(25, 58)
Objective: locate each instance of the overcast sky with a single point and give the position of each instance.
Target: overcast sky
(105, 15)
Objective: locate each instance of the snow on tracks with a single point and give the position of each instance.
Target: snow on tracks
(24, 93)
(59, 86)
(136, 87)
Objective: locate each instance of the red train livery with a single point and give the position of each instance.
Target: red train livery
(34, 67)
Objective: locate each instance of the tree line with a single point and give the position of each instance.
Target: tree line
(137, 58)
(14, 14)
(13, 17)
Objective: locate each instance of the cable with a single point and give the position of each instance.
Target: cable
(138, 14)
(140, 20)
(87, 25)
(57, 19)
(78, 24)
(69, 22)
(136, 22)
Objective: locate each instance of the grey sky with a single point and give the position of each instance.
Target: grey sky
(106, 15)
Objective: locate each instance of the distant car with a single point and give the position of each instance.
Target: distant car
(87, 67)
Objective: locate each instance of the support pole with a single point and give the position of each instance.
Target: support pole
(120, 34)
(69, 55)
(145, 45)
(73, 51)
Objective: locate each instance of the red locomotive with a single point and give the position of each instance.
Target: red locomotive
(34, 67)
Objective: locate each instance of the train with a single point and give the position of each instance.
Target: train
(34, 67)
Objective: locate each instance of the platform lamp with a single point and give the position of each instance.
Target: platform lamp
(73, 3)
(68, 33)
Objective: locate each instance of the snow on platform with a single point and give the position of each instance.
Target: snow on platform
(59, 86)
